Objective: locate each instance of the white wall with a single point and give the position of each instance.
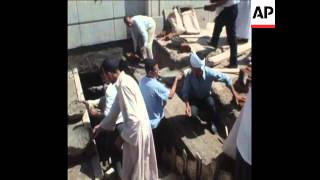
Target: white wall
(93, 22)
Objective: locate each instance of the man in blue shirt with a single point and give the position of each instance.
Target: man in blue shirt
(155, 96)
(197, 92)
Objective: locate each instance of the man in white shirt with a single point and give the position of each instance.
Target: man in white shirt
(227, 11)
(141, 27)
(99, 108)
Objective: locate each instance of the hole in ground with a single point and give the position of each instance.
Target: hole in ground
(89, 80)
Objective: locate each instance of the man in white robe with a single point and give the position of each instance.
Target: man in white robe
(238, 143)
(139, 157)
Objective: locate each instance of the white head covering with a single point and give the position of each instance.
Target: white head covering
(196, 62)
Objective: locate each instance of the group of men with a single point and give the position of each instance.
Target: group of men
(233, 14)
(136, 111)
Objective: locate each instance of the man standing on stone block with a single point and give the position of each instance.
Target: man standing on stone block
(197, 90)
(227, 11)
(142, 28)
(155, 96)
(139, 157)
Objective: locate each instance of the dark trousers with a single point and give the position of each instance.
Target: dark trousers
(242, 169)
(227, 17)
(158, 138)
(106, 146)
(207, 104)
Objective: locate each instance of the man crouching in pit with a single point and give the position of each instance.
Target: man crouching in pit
(197, 93)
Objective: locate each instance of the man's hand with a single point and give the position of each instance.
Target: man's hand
(239, 99)
(94, 112)
(85, 103)
(188, 110)
(179, 76)
(97, 130)
(131, 54)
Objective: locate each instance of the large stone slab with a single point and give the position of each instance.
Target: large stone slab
(79, 138)
(75, 108)
(173, 58)
(195, 139)
(223, 93)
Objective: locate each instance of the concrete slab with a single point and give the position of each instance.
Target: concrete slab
(198, 43)
(75, 108)
(78, 138)
(170, 57)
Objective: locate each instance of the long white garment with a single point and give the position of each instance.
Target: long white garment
(243, 29)
(244, 132)
(240, 135)
(139, 158)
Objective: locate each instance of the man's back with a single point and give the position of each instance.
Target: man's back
(143, 21)
(155, 96)
(139, 159)
(131, 101)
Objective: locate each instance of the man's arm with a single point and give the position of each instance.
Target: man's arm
(218, 76)
(174, 86)
(108, 122)
(238, 98)
(91, 107)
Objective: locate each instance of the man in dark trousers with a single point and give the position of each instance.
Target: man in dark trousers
(227, 11)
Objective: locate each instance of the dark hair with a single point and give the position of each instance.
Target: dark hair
(149, 65)
(110, 64)
(125, 19)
